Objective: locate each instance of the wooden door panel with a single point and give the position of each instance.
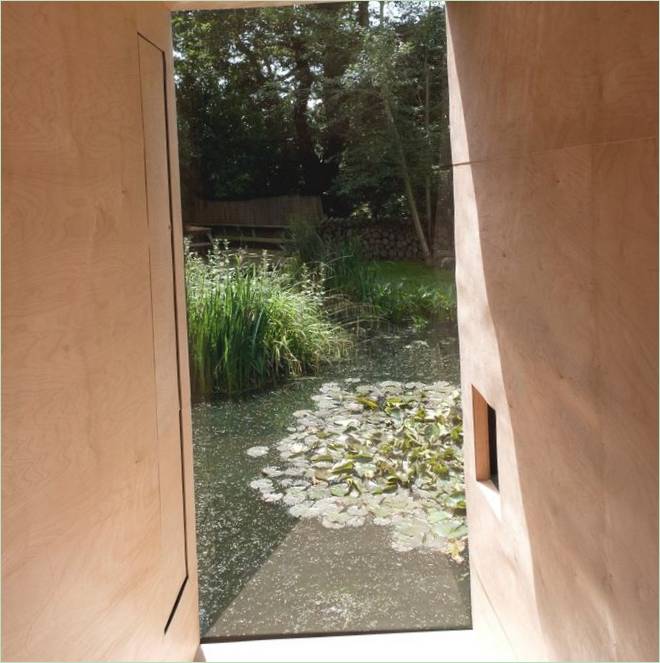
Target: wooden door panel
(166, 375)
(93, 547)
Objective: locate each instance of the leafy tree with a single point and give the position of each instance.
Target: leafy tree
(342, 100)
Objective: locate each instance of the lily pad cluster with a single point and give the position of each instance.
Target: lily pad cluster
(389, 453)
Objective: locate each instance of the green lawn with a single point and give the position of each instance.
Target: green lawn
(411, 275)
(413, 291)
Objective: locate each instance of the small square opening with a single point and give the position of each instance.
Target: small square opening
(485, 439)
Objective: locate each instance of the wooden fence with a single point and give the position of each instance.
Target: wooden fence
(275, 212)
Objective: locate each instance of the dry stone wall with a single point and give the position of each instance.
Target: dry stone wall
(383, 240)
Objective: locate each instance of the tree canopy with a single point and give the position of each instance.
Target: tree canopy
(345, 100)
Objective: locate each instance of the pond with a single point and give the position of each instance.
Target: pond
(263, 571)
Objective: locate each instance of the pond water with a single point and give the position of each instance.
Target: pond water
(265, 572)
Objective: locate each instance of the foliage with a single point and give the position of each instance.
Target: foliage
(304, 241)
(250, 324)
(347, 279)
(413, 292)
(400, 292)
(331, 99)
(347, 272)
(381, 80)
(257, 94)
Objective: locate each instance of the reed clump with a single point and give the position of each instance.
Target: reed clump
(253, 323)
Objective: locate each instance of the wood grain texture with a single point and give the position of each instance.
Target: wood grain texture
(163, 313)
(83, 549)
(552, 75)
(556, 240)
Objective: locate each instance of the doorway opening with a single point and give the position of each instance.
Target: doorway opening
(316, 195)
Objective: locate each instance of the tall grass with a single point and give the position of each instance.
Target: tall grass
(340, 269)
(400, 303)
(402, 293)
(340, 266)
(252, 324)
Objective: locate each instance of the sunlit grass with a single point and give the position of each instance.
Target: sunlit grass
(407, 291)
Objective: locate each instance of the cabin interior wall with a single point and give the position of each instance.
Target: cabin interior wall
(92, 553)
(554, 118)
(554, 139)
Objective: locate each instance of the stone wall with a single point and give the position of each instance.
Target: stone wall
(384, 240)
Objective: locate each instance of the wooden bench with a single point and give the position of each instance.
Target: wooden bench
(201, 237)
(267, 235)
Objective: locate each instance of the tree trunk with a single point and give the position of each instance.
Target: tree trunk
(427, 130)
(428, 206)
(363, 14)
(311, 165)
(405, 175)
(336, 59)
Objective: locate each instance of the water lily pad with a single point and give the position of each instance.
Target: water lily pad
(436, 516)
(411, 529)
(291, 499)
(328, 505)
(265, 485)
(317, 491)
(271, 471)
(322, 458)
(271, 497)
(294, 471)
(335, 519)
(357, 510)
(459, 532)
(256, 452)
(387, 453)
(368, 403)
(300, 510)
(294, 495)
(443, 528)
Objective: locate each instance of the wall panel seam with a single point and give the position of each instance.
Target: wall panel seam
(527, 155)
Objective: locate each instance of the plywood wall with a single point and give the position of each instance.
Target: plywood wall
(93, 548)
(554, 116)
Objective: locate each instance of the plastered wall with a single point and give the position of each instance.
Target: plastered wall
(94, 549)
(554, 139)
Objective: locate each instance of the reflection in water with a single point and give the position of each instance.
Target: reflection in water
(237, 532)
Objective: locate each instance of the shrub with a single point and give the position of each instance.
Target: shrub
(250, 325)
(401, 303)
(348, 272)
(304, 241)
(400, 292)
